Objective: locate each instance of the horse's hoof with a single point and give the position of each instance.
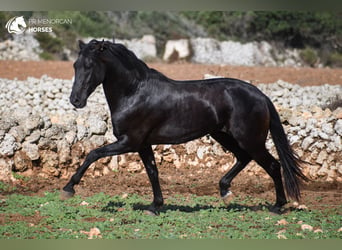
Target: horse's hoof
(150, 213)
(65, 195)
(228, 198)
(277, 210)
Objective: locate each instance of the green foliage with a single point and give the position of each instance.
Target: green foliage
(49, 44)
(318, 30)
(309, 56)
(292, 28)
(335, 59)
(85, 23)
(183, 217)
(6, 187)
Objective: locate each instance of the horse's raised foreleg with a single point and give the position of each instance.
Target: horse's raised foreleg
(146, 154)
(116, 148)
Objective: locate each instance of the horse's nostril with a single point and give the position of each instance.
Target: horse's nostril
(77, 102)
(74, 100)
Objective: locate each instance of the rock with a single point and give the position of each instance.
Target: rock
(218, 150)
(93, 233)
(323, 135)
(134, 167)
(201, 151)
(114, 163)
(55, 132)
(206, 50)
(322, 156)
(311, 123)
(176, 50)
(297, 121)
(294, 139)
(335, 145)
(23, 47)
(338, 127)
(82, 132)
(324, 170)
(47, 122)
(95, 125)
(338, 113)
(33, 137)
(98, 140)
(191, 147)
(32, 122)
(64, 152)
(18, 133)
(210, 76)
(281, 222)
(6, 123)
(46, 143)
(31, 150)
(8, 145)
(168, 158)
(327, 128)
(306, 227)
(6, 170)
(21, 162)
(70, 137)
(50, 162)
(307, 142)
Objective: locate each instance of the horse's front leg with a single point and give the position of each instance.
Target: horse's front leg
(146, 154)
(119, 147)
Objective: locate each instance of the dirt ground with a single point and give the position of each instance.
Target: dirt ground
(185, 180)
(184, 71)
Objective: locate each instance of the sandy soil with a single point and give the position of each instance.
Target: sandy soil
(184, 71)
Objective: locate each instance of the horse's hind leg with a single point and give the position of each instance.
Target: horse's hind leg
(272, 167)
(146, 154)
(242, 159)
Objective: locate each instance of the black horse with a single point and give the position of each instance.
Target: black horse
(147, 108)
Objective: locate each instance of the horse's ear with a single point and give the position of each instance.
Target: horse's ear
(81, 44)
(102, 45)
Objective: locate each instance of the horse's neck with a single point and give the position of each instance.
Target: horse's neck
(118, 90)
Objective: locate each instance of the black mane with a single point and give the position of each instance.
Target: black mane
(137, 68)
(128, 59)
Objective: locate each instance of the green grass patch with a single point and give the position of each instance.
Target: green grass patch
(182, 217)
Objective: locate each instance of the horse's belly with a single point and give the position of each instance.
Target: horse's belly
(182, 129)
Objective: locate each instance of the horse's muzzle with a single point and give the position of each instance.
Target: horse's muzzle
(77, 102)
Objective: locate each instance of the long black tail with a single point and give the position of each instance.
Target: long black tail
(288, 159)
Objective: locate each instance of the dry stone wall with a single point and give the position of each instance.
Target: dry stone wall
(41, 133)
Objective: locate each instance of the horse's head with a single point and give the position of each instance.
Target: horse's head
(89, 72)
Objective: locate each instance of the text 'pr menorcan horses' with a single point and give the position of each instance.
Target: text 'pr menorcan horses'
(147, 108)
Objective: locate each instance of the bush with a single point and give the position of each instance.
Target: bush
(50, 45)
(335, 60)
(309, 56)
